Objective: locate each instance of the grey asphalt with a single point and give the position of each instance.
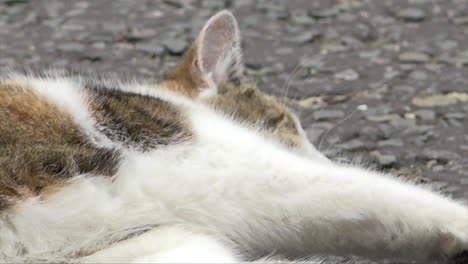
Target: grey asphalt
(381, 83)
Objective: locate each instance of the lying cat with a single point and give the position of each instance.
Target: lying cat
(202, 167)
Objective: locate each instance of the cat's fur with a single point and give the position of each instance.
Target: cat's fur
(199, 168)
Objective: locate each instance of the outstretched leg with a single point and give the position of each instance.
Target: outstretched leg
(349, 210)
(296, 207)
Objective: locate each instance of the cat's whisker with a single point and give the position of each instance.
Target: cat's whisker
(322, 138)
(311, 126)
(288, 80)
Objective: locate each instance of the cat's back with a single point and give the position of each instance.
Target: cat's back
(55, 128)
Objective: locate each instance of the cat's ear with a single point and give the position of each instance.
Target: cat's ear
(214, 59)
(219, 52)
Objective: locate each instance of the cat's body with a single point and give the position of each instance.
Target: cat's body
(199, 168)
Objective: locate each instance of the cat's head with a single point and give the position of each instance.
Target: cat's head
(212, 71)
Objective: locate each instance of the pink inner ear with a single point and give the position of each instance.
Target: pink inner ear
(218, 42)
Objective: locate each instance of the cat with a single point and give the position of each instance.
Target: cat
(201, 167)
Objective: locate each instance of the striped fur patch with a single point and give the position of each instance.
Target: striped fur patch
(44, 144)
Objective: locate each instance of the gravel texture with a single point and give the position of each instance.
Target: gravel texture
(384, 83)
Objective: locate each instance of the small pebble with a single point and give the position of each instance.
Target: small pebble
(176, 46)
(348, 75)
(426, 115)
(412, 14)
(305, 37)
(384, 159)
(328, 114)
(353, 145)
(418, 75)
(413, 57)
(390, 143)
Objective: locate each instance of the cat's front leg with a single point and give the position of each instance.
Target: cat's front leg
(367, 213)
(298, 208)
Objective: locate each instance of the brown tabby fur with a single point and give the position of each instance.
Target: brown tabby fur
(40, 146)
(250, 105)
(136, 120)
(238, 97)
(185, 78)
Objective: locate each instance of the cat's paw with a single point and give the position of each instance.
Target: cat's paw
(460, 258)
(454, 243)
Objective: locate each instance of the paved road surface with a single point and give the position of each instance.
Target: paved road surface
(384, 83)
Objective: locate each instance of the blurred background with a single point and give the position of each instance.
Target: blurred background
(384, 83)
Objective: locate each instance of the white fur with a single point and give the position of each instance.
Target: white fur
(232, 185)
(155, 247)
